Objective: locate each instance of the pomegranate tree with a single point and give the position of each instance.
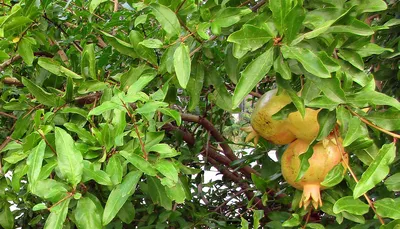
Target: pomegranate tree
(327, 154)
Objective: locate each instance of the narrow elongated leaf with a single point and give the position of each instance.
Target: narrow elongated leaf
(164, 150)
(280, 8)
(99, 176)
(378, 170)
(58, 215)
(142, 82)
(25, 50)
(88, 62)
(330, 87)
(355, 27)
(182, 64)
(106, 106)
(257, 216)
(304, 163)
(177, 192)
(326, 121)
(388, 208)
(69, 157)
(393, 182)
(167, 18)
(87, 214)
(41, 95)
(114, 169)
(50, 65)
(167, 169)
(388, 119)
(34, 162)
(250, 37)
(365, 98)
(334, 177)
(94, 4)
(119, 195)
(293, 22)
(350, 205)
(353, 58)
(120, 45)
(244, 224)
(293, 221)
(282, 68)
(83, 134)
(297, 101)
(140, 163)
(311, 62)
(6, 216)
(157, 193)
(355, 130)
(195, 85)
(253, 73)
(173, 114)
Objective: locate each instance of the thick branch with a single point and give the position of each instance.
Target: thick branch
(18, 57)
(215, 133)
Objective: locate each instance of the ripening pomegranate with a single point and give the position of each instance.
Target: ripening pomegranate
(262, 124)
(327, 154)
(306, 128)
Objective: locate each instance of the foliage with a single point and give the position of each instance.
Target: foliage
(112, 112)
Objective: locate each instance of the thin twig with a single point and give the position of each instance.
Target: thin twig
(70, 194)
(8, 115)
(230, 198)
(373, 125)
(335, 131)
(180, 6)
(47, 142)
(307, 219)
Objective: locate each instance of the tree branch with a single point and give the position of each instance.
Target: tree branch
(18, 57)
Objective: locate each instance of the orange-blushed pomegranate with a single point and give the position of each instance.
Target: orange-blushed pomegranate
(327, 154)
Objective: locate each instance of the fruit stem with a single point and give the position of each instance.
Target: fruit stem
(355, 178)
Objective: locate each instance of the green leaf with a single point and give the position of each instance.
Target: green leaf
(355, 131)
(297, 101)
(41, 95)
(127, 212)
(388, 207)
(21, 126)
(69, 90)
(228, 16)
(114, 169)
(6, 216)
(195, 85)
(304, 163)
(164, 150)
(315, 226)
(388, 119)
(350, 205)
(58, 215)
(244, 223)
(167, 168)
(365, 98)
(87, 214)
(355, 27)
(365, 6)
(330, 87)
(392, 183)
(141, 19)
(293, 23)
(140, 163)
(182, 64)
(353, 58)
(50, 65)
(371, 49)
(177, 192)
(101, 177)
(157, 193)
(166, 18)
(250, 37)
(146, 53)
(326, 121)
(377, 171)
(280, 8)
(257, 216)
(152, 43)
(141, 83)
(51, 190)
(94, 4)
(355, 218)
(120, 45)
(311, 62)
(34, 162)
(253, 73)
(39, 207)
(173, 114)
(119, 195)
(83, 134)
(293, 221)
(282, 68)
(25, 50)
(106, 106)
(88, 62)
(334, 176)
(69, 157)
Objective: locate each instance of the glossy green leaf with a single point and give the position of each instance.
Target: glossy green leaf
(182, 64)
(388, 208)
(6, 216)
(167, 168)
(250, 37)
(228, 16)
(388, 119)
(94, 4)
(164, 150)
(127, 212)
(89, 172)
(364, 6)
(293, 23)
(121, 46)
(166, 18)
(280, 9)
(282, 68)
(296, 100)
(326, 121)
(119, 195)
(158, 193)
(355, 130)
(114, 169)
(257, 216)
(58, 215)
(315, 226)
(304, 163)
(39, 207)
(141, 83)
(334, 176)
(152, 43)
(195, 85)
(106, 106)
(392, 183)
(140, 163)
(350, 205)
(173, 114)
(330, 87)
(253, 73)
(365, 98)
(88, 62)
(355, 27)
(144, 52)
(244, 224)
(34, 162)
(293, 221)
(378, 170)
(25, 50)
(83, 134)
(353, 58)
(371, 49)
(68, 157)
(176, 192)
(87, 215)
(21, 126)
(311, 62)
(41, 95)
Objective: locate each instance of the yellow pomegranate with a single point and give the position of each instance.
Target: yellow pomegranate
(306, 128)
(262, 124)
(327, 154)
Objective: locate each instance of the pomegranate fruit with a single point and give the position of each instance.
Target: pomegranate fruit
(327, 154)
(306, 128)
(262, 124)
